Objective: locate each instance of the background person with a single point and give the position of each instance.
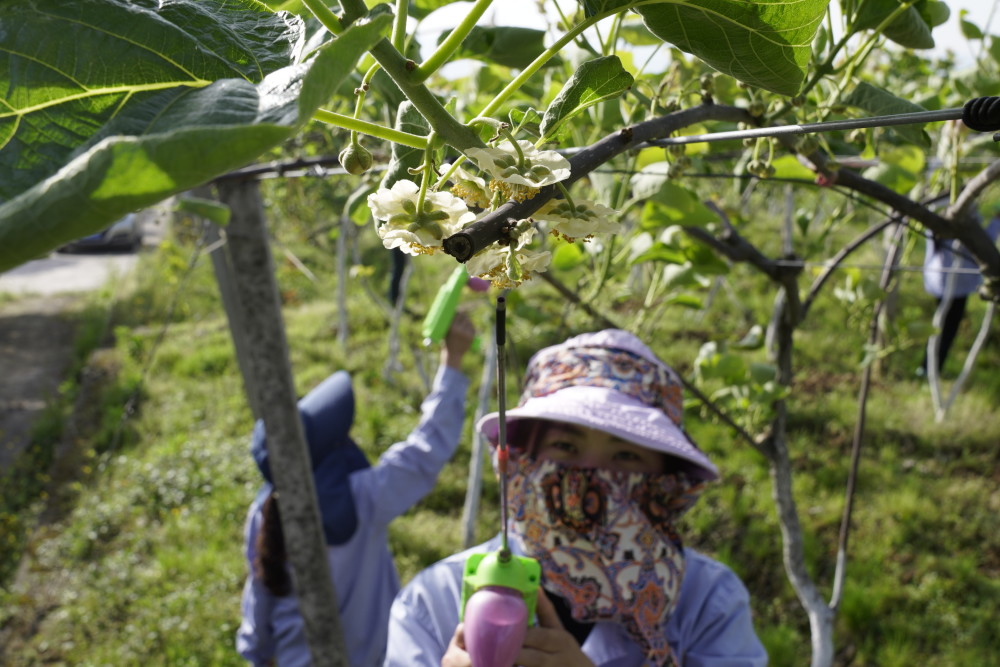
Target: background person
(601, 470)
(356, 501)
(950, 276)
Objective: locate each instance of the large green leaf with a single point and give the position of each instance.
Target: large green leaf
(765, 44)
(180, 93)
(878, 102)
(508, 46)
(593, 82)
(912, 28)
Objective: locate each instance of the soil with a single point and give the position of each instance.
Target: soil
(36, 350)
(37, 335)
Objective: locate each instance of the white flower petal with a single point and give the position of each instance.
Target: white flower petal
(500, 162)
(387, 202)
(486, 260)
(592, 218)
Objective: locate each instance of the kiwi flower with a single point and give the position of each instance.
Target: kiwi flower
(519, 172)
(508, 266)
(579, 219)
(417, 232)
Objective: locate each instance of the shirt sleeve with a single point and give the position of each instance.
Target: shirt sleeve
(254, 640)
(424, 616)
(408, 470)
(717, 626)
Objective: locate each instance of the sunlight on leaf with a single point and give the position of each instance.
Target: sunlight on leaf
(595, 81)
(225, 91)
(878, 102)
(765, 44)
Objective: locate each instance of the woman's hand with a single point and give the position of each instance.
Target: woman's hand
(456, 655)
(547, 644)
(458, 340)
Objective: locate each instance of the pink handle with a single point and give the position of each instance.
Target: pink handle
(496, 619)
(478, 284)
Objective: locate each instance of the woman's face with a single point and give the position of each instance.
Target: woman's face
(589, 448)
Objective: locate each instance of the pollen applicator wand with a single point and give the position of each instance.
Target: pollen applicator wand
(445, 304)
(499, 589)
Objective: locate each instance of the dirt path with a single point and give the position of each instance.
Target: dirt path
(36, 348)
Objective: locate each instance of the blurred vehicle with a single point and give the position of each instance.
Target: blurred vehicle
(126, 234)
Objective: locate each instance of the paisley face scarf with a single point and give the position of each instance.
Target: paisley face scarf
(606, 543)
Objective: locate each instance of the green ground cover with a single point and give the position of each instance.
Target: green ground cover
(139, 557)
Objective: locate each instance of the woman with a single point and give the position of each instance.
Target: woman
(601, 469)
(357, 502)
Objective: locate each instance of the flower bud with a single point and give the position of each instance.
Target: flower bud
(356, 159)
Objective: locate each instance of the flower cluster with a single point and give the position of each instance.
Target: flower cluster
(510, 265)
(417, 218)
(579, 219)
(417, 232)
(520, 171)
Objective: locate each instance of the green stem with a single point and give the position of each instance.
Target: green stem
(451, 170)
(546, 55)
(362, 90)
(371, 129)
(399, 25)
(502, 129)
(329, 20)
(428, 174)
(569, 200)
(400, 70)
(451, 43)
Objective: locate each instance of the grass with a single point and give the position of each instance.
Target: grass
(144, 564)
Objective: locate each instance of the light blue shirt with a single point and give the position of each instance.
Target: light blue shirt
(364, 574)
(940, 257)
(711, 625)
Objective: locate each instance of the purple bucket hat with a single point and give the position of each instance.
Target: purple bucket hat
(612, 382)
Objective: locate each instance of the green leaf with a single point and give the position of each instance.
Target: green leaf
(705, 261)
(504, 45)
(788, 167)
(995, 48)
(661, 252)
(647, 181)
(909, 29)
(878, 102)
(596, 80)
(568, 256)
(753, 340)
(969, 30)
(934, 12)
(681, 275)
(525, 120)
(206, 208)
(909, 158)
(765, 44)
(891, 176)
(183, 92)
(685, 300)
(595, 7)
(715, 363)
(675, 205)
(356, 206)
(418, 9)
(637, 34)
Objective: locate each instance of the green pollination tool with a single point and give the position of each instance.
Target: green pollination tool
(499, 589)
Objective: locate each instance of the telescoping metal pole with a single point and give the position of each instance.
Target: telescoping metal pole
(981, 114)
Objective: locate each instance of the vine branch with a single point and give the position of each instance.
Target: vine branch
(480, 234)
